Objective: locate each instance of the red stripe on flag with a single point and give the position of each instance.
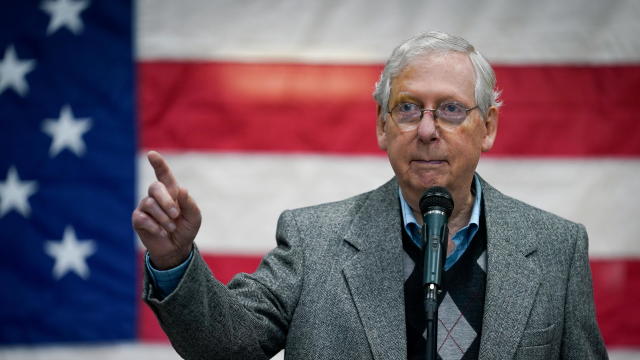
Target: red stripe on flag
(569, 111)
(616, 285)
(549, 110)
(256, 107)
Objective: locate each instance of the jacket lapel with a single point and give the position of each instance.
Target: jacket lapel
(374, 274)
(512, 276)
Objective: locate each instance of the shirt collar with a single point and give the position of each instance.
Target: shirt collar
(475, 211)
(413, 229)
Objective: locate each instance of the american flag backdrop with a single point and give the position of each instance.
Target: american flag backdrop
(263, 106)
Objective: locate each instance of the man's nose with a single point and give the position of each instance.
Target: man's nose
(427, 128)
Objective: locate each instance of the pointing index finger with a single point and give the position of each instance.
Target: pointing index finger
(163, 172)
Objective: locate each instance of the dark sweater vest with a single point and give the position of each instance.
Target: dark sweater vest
(461, 303)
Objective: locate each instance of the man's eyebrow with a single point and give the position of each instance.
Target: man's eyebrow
(407, 96)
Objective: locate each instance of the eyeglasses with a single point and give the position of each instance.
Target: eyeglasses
(408, 115)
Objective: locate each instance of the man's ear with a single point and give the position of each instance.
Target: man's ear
(491, 124)
(380, 128)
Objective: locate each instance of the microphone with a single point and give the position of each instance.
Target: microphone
(436, 205)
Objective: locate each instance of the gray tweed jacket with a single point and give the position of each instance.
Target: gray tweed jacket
(333, 288)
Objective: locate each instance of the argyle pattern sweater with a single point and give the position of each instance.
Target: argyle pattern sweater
(461, 302)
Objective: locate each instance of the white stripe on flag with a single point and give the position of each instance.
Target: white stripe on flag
(544, 31)
(596, 192)
(242, 195)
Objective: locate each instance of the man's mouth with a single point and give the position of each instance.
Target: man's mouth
(430, 162)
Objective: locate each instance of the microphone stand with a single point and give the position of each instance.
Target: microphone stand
(431, 308)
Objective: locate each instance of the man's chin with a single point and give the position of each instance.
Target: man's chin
(414, 189)
(424, 182)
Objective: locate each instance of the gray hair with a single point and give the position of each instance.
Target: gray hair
(486, 93)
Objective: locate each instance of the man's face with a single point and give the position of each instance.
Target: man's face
(434, 154)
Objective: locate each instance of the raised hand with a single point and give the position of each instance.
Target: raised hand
(168, 219)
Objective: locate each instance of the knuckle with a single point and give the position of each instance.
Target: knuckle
(148, 202)
(140, 206)
(137, 215)
(155, 188)
(150, 226)
(139, 220)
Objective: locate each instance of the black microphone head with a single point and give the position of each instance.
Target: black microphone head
(436, 196)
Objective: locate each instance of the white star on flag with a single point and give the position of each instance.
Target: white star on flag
(64, 13)
(66, 132)
(13, 72)
(14, 194)
(70, 254)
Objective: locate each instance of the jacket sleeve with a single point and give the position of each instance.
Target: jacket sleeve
(249, 318)
(581, 336)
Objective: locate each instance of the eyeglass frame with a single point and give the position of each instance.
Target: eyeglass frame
(433, 113)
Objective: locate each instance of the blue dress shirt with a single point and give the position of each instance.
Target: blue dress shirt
(167, 280)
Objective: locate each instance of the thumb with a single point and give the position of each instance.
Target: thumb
(188, 207)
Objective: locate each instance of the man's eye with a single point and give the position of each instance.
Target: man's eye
(451, 108)
(407, 107)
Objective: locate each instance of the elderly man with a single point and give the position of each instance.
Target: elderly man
(345, 280)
